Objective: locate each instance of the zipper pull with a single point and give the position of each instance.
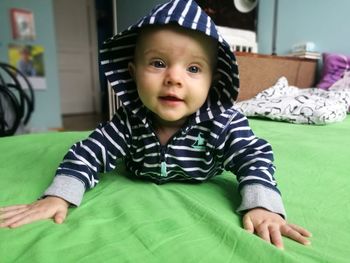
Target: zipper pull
(163, 171)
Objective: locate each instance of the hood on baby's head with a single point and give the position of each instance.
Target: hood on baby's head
(118, 51)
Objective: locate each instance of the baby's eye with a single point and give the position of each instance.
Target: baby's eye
(193, 69)
(158, 64)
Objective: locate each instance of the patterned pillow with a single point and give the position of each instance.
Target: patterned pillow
(282, 102)
(341, 90)
(334, 67)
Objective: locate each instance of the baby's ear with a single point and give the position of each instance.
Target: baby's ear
(131, 68)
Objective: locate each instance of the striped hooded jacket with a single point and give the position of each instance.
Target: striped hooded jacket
(215, 138)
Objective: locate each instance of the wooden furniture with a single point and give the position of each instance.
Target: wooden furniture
(258, 72)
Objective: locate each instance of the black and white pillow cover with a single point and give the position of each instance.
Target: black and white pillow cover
(341, 90)
(282, 102)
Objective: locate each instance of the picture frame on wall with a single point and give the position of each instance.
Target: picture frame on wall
(29, 59)
(22, 23)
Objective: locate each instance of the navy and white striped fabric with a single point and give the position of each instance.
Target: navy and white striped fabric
(197, 152)
(215, 138)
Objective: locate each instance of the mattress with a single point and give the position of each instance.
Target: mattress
(129, 220)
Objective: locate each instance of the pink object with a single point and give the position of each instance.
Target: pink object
(334, 67)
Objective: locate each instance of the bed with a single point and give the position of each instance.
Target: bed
(125, 220)
(128, 220)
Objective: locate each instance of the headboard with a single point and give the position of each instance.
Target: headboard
(258, 72)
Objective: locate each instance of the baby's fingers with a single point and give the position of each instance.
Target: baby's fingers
(8, 212)
(8, 215)
(301, 230)
(11, 208)
(292, 233)
(276, 237)
(248, 224)
(16, 218)
(60, 217)
(24, 219)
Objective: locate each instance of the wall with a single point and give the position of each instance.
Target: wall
(320, 21)
(130, 11)
(323, 22)
(47, 108)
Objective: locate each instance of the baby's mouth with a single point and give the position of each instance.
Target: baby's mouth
(170, 98)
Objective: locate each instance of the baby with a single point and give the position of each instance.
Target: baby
(177, 80)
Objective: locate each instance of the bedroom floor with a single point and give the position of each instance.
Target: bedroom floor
(81, 122)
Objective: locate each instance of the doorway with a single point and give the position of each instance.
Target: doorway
(76, 38)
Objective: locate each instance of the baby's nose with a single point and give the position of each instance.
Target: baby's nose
(174, 76)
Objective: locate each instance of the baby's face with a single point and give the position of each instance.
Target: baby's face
(173, 70)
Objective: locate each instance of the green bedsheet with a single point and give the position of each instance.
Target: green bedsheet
(124, 220)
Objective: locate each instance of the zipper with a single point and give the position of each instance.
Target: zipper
(163, 165)
(163, 169)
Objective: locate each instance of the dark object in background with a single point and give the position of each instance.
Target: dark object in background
(225, 13)
(16, 101)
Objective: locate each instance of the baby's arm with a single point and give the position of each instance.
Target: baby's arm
(49, 207)
(271, 227)
(251, 159)
(77, 173)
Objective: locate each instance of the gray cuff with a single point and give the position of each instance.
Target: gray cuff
(256, 195)
(67, 188)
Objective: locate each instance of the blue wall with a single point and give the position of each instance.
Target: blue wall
(130, 11)
(47, 108)
(323, 22)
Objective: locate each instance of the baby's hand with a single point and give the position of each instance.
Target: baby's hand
(270, 227)
(50, 207)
